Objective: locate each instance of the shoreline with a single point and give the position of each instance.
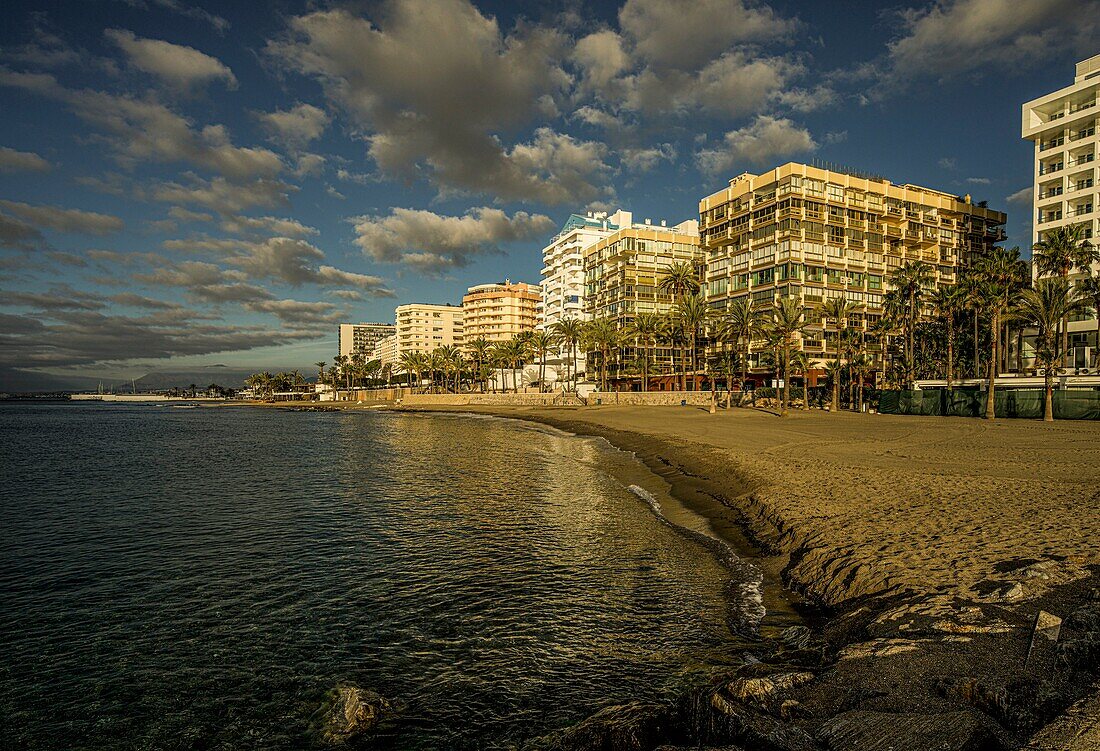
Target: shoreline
(901, 641)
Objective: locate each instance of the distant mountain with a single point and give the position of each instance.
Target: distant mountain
(222, 375)
(19, 381)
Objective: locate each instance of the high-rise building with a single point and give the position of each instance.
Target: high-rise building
(423, 327)
(563, 263)
(385, 351)
(499, 312)
(815, 234)
(361, 337)
(1062, 126)
(622, 273)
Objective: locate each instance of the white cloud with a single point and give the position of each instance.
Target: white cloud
(1022, 197)
(22, 161)
(144, 130)
(63, 220)
(979, 180)
(762, 141)
(266, 225)
(432, 242)
(645, 159)
(182, 68)
(951, 38)
(297, 126)
(222, 196)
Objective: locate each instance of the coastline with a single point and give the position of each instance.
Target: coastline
(927, 621)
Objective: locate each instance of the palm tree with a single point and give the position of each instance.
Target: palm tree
(320, 370)
(692, 313)
(788, 320)
(602, 335)
(569, 332)
(948, 302)
(645, 329)
(541, 342)
(411, 363)
(479, 351)
(910, 281)
(834, 370)
(1046, 306)
(881, 330)
(679, 279)
(801, 364)
(1089, 293)
(838, 308)
(1061, 250)
(743, 322)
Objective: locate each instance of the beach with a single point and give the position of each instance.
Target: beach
(930, 544)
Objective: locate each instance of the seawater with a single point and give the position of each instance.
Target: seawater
(185, 579)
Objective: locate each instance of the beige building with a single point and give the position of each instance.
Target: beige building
(815, 234)
(621, 274)
(361, 337)
(1062, 126)
(385, 350)
(499, 312)
(422, 327)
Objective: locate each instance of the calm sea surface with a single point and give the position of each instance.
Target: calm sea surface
(200, 578)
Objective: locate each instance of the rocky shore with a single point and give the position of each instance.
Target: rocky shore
(932, 546)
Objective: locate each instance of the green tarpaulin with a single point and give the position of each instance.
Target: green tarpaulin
(1069, 404)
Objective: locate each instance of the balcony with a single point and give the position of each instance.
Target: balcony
(1086, 133)
(1078, 107)
(1083, 159)
(1050, 193)
(1052, 143)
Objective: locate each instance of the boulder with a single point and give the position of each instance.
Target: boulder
(759, 692)
(883, 731)
(627, 727)
(351, 712)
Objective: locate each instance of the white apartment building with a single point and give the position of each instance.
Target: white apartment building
(422, 327)
(361, 337)
(385, 350)
(1062, 126)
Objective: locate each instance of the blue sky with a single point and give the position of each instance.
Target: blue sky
(187, 183)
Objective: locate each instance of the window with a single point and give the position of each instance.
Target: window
(835, 193)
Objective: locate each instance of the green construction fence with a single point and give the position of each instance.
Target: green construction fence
(1068, 404)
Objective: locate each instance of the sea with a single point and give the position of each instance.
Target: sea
(203, 578)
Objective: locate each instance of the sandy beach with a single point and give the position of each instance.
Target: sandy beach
(933, 543)
(928, 545)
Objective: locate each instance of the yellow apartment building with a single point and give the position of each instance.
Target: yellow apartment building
(422, 327)
(499, 312)
(815, 234)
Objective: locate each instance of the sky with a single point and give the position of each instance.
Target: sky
(188, 183)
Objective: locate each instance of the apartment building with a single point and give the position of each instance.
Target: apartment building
(499, 312)
(816, 234)
(1062, 125)
(621, 275)
(385, 350)
(563, 263)
(423, 327)
(361, 337)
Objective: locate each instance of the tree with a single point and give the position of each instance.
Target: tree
(743, 322)
(320, 371)
(801, 364)
(788, 320)
(412, 363)
(838, 308)
(861, 365)
(541, 342)
(479, 351)
(569, 332)
(948, 302)
(1046, 306)
(679, 279)
(882, 329)
(995, 279)
(910, 281)
(602, 335)
(645, 330)
(692, 314)
(1061, 250)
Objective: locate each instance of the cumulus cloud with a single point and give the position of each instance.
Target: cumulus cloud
(22, 161)
(758, 143)
(266, 225)
(145, 130)
(951, 38)
(295, 127)
(222, 196)
(645, 159)
(295, 262)
(220, 24)
(63, 220)
(432, 242)
(18, 235)
(979, 180)
(182, 68)
(299, 314)
(435, 85)
(1022, 197)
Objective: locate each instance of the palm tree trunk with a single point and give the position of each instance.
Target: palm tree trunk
(645, 367)
(950, 353)
(994, 330)
(836, 381)
(786, 383)
(1065, 329)
(977, 352)
(1048, 401)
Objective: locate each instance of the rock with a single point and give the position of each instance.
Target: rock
(1082, 653)
(797, 637)
(352, 712)
(627, 727)
(759, 692)
(880, 648)
(733, 722)
(882, 731)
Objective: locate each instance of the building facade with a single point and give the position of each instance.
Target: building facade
(815, 234)
(423, 327)
(1062, 126)
(622, 273)
(361, 337)
(500, 312)
(385, 350)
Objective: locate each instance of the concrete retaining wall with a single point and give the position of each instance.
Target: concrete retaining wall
(652, 398)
